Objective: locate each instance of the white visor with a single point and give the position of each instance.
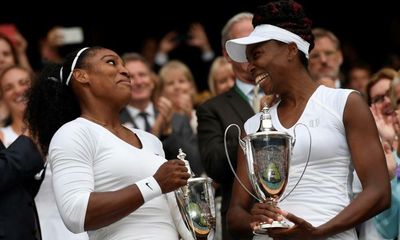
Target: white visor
(236, 48)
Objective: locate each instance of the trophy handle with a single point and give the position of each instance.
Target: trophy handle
(308, 157)
(243, 146)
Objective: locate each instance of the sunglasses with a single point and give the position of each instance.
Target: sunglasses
(381, 97)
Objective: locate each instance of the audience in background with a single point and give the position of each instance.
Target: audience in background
(177, 85)
(14, 84)
(378, 96)
(216, 114)
(221, 77)
(192, 47)
(326, 57)
(358, 77)
(11, 54)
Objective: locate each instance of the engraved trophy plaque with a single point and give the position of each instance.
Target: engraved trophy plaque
(268, 153)
(196, 204)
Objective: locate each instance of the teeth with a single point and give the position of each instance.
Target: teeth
(261, 77)
(20, 99)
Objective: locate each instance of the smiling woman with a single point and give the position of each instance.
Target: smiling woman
(280, 47)
(108, 180)
(14, 83)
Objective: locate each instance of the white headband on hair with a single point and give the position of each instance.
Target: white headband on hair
(236, 48)
(73, 65)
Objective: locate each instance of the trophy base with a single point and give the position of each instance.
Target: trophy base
(265, 226)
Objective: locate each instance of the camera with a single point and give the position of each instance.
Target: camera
(70, 35)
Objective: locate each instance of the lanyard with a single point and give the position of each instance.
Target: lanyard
(241, 94)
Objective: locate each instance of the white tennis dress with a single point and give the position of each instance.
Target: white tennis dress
(325, 188)
(85, 158)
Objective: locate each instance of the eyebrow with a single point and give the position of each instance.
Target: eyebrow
(109, 55)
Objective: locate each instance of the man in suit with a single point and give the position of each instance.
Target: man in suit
(215, 115)
(141, 112)
(20, 164)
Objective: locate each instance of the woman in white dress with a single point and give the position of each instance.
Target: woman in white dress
(342, 129)
(108, 180)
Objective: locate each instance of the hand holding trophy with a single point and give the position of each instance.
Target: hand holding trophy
(268, 153)
(196, 204)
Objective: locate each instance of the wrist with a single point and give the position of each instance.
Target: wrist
(149, 188)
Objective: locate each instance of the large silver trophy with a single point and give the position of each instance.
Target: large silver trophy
(268, 153)
(196, 204)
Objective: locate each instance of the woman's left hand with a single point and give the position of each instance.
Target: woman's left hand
(302, 230)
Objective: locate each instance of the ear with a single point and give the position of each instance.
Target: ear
(340, 57)
(292, 51)
(81, 76)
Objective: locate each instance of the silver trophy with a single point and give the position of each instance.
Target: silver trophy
(196, 204)
(268, 153)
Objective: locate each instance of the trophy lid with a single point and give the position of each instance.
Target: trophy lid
(266, 126)
(181, 156)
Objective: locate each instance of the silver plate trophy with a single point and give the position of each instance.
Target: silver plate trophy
(196, 204)
(268, 153)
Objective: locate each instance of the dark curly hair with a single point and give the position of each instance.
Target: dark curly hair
(289, 15)
(52, 103)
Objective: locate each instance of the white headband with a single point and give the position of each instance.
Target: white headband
(72, 65)
(236, 48)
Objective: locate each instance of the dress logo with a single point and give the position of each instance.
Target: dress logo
(314, 123)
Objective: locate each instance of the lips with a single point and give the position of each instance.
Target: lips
(125, 81)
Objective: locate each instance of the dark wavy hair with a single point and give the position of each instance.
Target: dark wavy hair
(52, 103)
(289, 15)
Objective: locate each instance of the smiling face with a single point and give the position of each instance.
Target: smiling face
(267, 64)
(142, 82)
(176, 85)
(14, 85)
(224, 78)
(380, 95)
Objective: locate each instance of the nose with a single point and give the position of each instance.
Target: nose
(124, 71)
(251, 68)
(20, 89)
(323, 57)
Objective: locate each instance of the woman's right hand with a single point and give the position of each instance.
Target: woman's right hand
(384, 123)
(264, 213)
(171, 175)
(185, 104)
(165, 110)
